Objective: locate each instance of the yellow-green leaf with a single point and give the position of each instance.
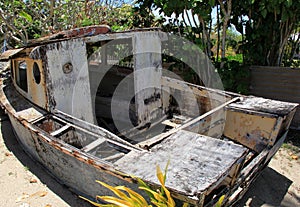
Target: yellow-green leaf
(156, 195)
(158, 204)
(166, 170)
(220, 201)
(160, 175)
(117, 192)
(26, 16)
(171, 202)
(185, 205)
(116, 201)
(143, 184)
(134, 195)
(92, 202)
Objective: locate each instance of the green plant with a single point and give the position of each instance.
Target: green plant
(234, 75)
(125, 197)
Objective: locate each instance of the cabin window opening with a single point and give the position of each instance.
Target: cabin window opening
(110, 68)
(12, 70)
(36, 73)
(21, 73)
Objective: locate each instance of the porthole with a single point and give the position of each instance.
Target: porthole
(36, 73)
(67, 68)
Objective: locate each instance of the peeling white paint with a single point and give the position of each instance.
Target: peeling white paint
(71, 91)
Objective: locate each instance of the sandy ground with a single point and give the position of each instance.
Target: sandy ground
(25, 183)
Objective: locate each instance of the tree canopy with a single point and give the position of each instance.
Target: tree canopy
(21, 20)
(269, 29)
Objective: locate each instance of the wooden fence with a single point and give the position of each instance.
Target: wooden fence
(277, 83)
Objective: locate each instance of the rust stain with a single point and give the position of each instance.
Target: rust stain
(9, 53)
(47, 126)
(77, 32)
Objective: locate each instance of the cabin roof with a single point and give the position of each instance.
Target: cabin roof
(9, 53)
(72, 33)
(81, 32)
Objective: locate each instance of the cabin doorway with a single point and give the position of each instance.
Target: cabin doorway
(110, 69)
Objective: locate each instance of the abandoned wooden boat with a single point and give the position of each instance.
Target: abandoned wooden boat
(216, 142)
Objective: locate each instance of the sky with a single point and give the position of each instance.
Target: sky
(214, 19)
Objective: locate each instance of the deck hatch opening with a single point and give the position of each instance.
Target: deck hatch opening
(63, 131)
(109, 151)
(81, 138)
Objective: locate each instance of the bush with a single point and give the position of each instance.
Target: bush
(235, 76)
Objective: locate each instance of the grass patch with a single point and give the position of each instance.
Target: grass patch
(291, 147)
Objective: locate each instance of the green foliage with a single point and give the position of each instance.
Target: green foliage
(235, 76)
(293, 63)
(268, 25)
(23, 20)
(237, 57)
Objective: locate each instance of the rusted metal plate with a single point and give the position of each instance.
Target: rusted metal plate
(9, 53)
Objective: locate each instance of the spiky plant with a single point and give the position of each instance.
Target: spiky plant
(125, 197)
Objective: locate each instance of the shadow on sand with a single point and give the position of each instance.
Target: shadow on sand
(268, 189)
(36, 168)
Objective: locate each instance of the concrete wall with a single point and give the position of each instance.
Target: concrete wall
(277, 83)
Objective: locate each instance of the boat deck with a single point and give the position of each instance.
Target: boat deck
(197, 163)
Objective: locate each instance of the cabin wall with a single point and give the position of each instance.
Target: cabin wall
(147, 76)
(192, 100)
(29, 80)
(69, 78)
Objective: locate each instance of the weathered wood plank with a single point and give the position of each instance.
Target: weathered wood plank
(147, 76)
(93, 144)
(60, 130)
(206, 164)
(158, 138)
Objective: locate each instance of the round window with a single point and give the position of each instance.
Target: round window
(36, 73)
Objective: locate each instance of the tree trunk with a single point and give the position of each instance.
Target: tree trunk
(207, 45)
(226, 14)
(218, 30)
(223, 49)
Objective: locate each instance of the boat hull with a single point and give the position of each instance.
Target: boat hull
(68, 169)
(80, 175)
